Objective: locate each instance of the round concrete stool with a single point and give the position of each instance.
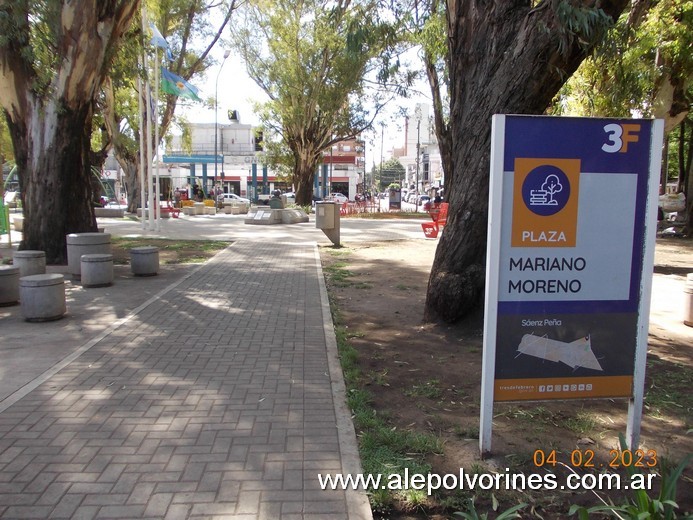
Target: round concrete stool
(144, 261)
(9, 285)
(42, 297)
(30, 262)
(97, 270)
(79, 244)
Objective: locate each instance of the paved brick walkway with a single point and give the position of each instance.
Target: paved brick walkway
(221, 398)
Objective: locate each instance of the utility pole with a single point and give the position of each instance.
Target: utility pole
(216, 125)
(418, 148)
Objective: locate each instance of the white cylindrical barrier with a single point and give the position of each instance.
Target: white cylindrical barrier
(30, 262)
(144, 261)
(79, 244)
(42, 297)
(688, 301)
(97, 270)
(9, 285)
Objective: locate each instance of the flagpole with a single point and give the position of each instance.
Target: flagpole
(143, 125)
(148, 129)
(141, 168)
(150, 179)
(156, 137)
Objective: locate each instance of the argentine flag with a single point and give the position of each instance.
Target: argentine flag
(159, 41)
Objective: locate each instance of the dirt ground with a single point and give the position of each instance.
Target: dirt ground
(401, 358)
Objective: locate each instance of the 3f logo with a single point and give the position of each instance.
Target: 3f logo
(618, 137)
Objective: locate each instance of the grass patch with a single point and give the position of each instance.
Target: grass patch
(338, 275)
(430, 389)
(385, 450)
(170, 251)
(581, 424)
(669, 390)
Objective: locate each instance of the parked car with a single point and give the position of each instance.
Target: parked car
(290, 197)
(232, 197)
(338, 197)
(422, 200)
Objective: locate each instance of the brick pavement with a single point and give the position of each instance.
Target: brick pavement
(222, 398)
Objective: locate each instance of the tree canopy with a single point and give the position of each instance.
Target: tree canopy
(311, 58)
(192, 28)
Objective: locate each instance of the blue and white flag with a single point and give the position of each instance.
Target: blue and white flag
(159, 41)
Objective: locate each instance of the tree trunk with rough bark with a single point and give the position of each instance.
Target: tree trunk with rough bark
(51, 124)
(57, 180)
(504, 59)
(131, 179)
(688, 188)
(304, 177)
(442, 128)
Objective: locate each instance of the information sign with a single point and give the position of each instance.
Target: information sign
(569, 206)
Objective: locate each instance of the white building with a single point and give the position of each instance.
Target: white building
(419, 134)
(238, 154)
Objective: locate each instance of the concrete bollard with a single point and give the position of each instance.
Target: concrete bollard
(144, 261)
(30, 262)
(97, 270)
(9, 285)
(42, 297)
(79, 244)
(688, 301)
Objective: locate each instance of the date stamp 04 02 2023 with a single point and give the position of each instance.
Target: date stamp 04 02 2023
(586, 459)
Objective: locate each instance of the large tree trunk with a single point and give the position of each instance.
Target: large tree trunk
(60, 176)
(504, 59)
(442, 128)
(132, 184)
(51, 122)
(687, 186)
(305, 165)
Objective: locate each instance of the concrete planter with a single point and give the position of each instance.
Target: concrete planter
(9, 285)
(144, 261)
(18, 223)
(42, 297)
(109, 212)
(30, 262)
(97, 270)
(79, 244)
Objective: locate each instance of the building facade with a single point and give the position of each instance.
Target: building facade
(235, 165)
(420, 155)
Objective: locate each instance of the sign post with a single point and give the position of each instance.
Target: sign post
(572, 222)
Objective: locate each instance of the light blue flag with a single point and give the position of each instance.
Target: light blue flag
(159, 41)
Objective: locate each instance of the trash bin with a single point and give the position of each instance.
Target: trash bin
(327, 218)
(325, 214)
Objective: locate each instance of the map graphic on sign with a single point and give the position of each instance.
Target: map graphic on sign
(575, 354)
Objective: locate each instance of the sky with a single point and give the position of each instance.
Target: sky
(238, 92)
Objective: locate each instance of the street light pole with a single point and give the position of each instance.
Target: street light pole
(418, 148)
(216, 124)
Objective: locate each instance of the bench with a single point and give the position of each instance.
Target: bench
(171, 210)
(439, 216)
